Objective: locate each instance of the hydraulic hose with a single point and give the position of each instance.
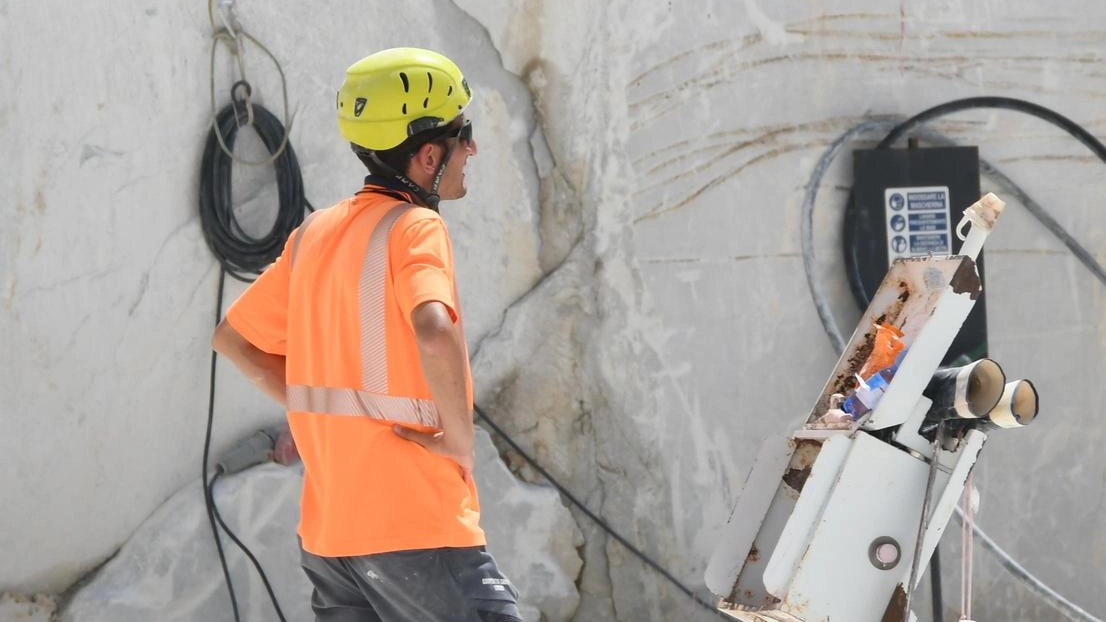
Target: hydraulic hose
(241, 255)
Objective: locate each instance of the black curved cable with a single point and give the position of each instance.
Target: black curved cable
(853, 224)
(239, 253)
(602, 524)
(249, 554)
(209, 503)
(1003, 103)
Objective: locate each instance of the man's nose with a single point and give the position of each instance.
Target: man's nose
(471, 147)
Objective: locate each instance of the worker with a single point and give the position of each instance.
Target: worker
(356, 328)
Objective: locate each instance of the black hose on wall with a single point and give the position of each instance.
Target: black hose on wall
(241, 255)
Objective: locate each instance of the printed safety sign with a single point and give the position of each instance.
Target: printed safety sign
(917, 222)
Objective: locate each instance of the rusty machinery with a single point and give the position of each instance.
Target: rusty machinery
(837, 518)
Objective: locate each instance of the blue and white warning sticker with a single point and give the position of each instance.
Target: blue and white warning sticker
(917, 221)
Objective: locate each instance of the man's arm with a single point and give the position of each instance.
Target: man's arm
(263, 369)
(442, 354)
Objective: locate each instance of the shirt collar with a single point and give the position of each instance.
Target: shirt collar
(389, 186)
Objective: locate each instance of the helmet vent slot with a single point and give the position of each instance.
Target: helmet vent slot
(429, 82)
(450, 91)
(406, 84)
(404, 108)
(425, 103)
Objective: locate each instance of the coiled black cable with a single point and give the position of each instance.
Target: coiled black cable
(241, 255)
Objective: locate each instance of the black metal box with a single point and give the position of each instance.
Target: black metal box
(907, 203)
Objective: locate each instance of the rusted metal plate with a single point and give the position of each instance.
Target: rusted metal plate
(896, 606)
(798, 470)
(930, 295)
(744, 614)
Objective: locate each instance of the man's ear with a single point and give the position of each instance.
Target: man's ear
(427, 158)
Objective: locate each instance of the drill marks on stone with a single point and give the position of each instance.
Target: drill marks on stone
(679, 173)
(686, 75)
(726, 45)
(648, 110)
(692, 162)
(707, 147)
(840, 17)
(1046, 28)
(689, 159)
(710, 260)
(1089, 37)
(720, 179)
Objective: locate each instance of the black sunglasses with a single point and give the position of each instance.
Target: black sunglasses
(463, 133)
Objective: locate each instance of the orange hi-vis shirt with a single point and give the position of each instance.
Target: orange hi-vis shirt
(337, 303)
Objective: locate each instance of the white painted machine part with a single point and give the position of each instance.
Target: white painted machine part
(877, 495)
(1017, 407)
(945, 504)
(741, 529)
(774, 615)
(907, 434)
(910, 294)
(940, 322)
(982, 215)
(964, 407)
(749, 590)
(797, 532)
(836, 545)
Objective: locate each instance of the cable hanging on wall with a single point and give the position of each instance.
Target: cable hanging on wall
(240, 254)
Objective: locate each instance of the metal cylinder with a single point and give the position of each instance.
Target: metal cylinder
(1017, 407)
(967, 392)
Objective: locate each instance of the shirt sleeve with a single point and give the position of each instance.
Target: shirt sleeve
(422, 263)
(260, 314)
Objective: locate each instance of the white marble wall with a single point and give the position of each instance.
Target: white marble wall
(630, 261)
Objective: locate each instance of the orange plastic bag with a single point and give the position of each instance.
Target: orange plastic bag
(887, 346)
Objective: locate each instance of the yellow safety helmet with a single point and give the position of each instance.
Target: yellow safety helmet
(397, 93)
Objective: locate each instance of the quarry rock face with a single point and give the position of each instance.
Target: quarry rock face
(629, 264)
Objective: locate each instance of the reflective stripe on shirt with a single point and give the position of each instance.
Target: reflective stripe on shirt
(374, 362)
(350, 402)
(373, 401)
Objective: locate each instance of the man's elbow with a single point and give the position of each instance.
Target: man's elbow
(224, 338)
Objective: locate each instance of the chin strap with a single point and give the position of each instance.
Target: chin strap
(440, 173)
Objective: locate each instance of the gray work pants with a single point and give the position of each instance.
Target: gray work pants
(427, 585)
